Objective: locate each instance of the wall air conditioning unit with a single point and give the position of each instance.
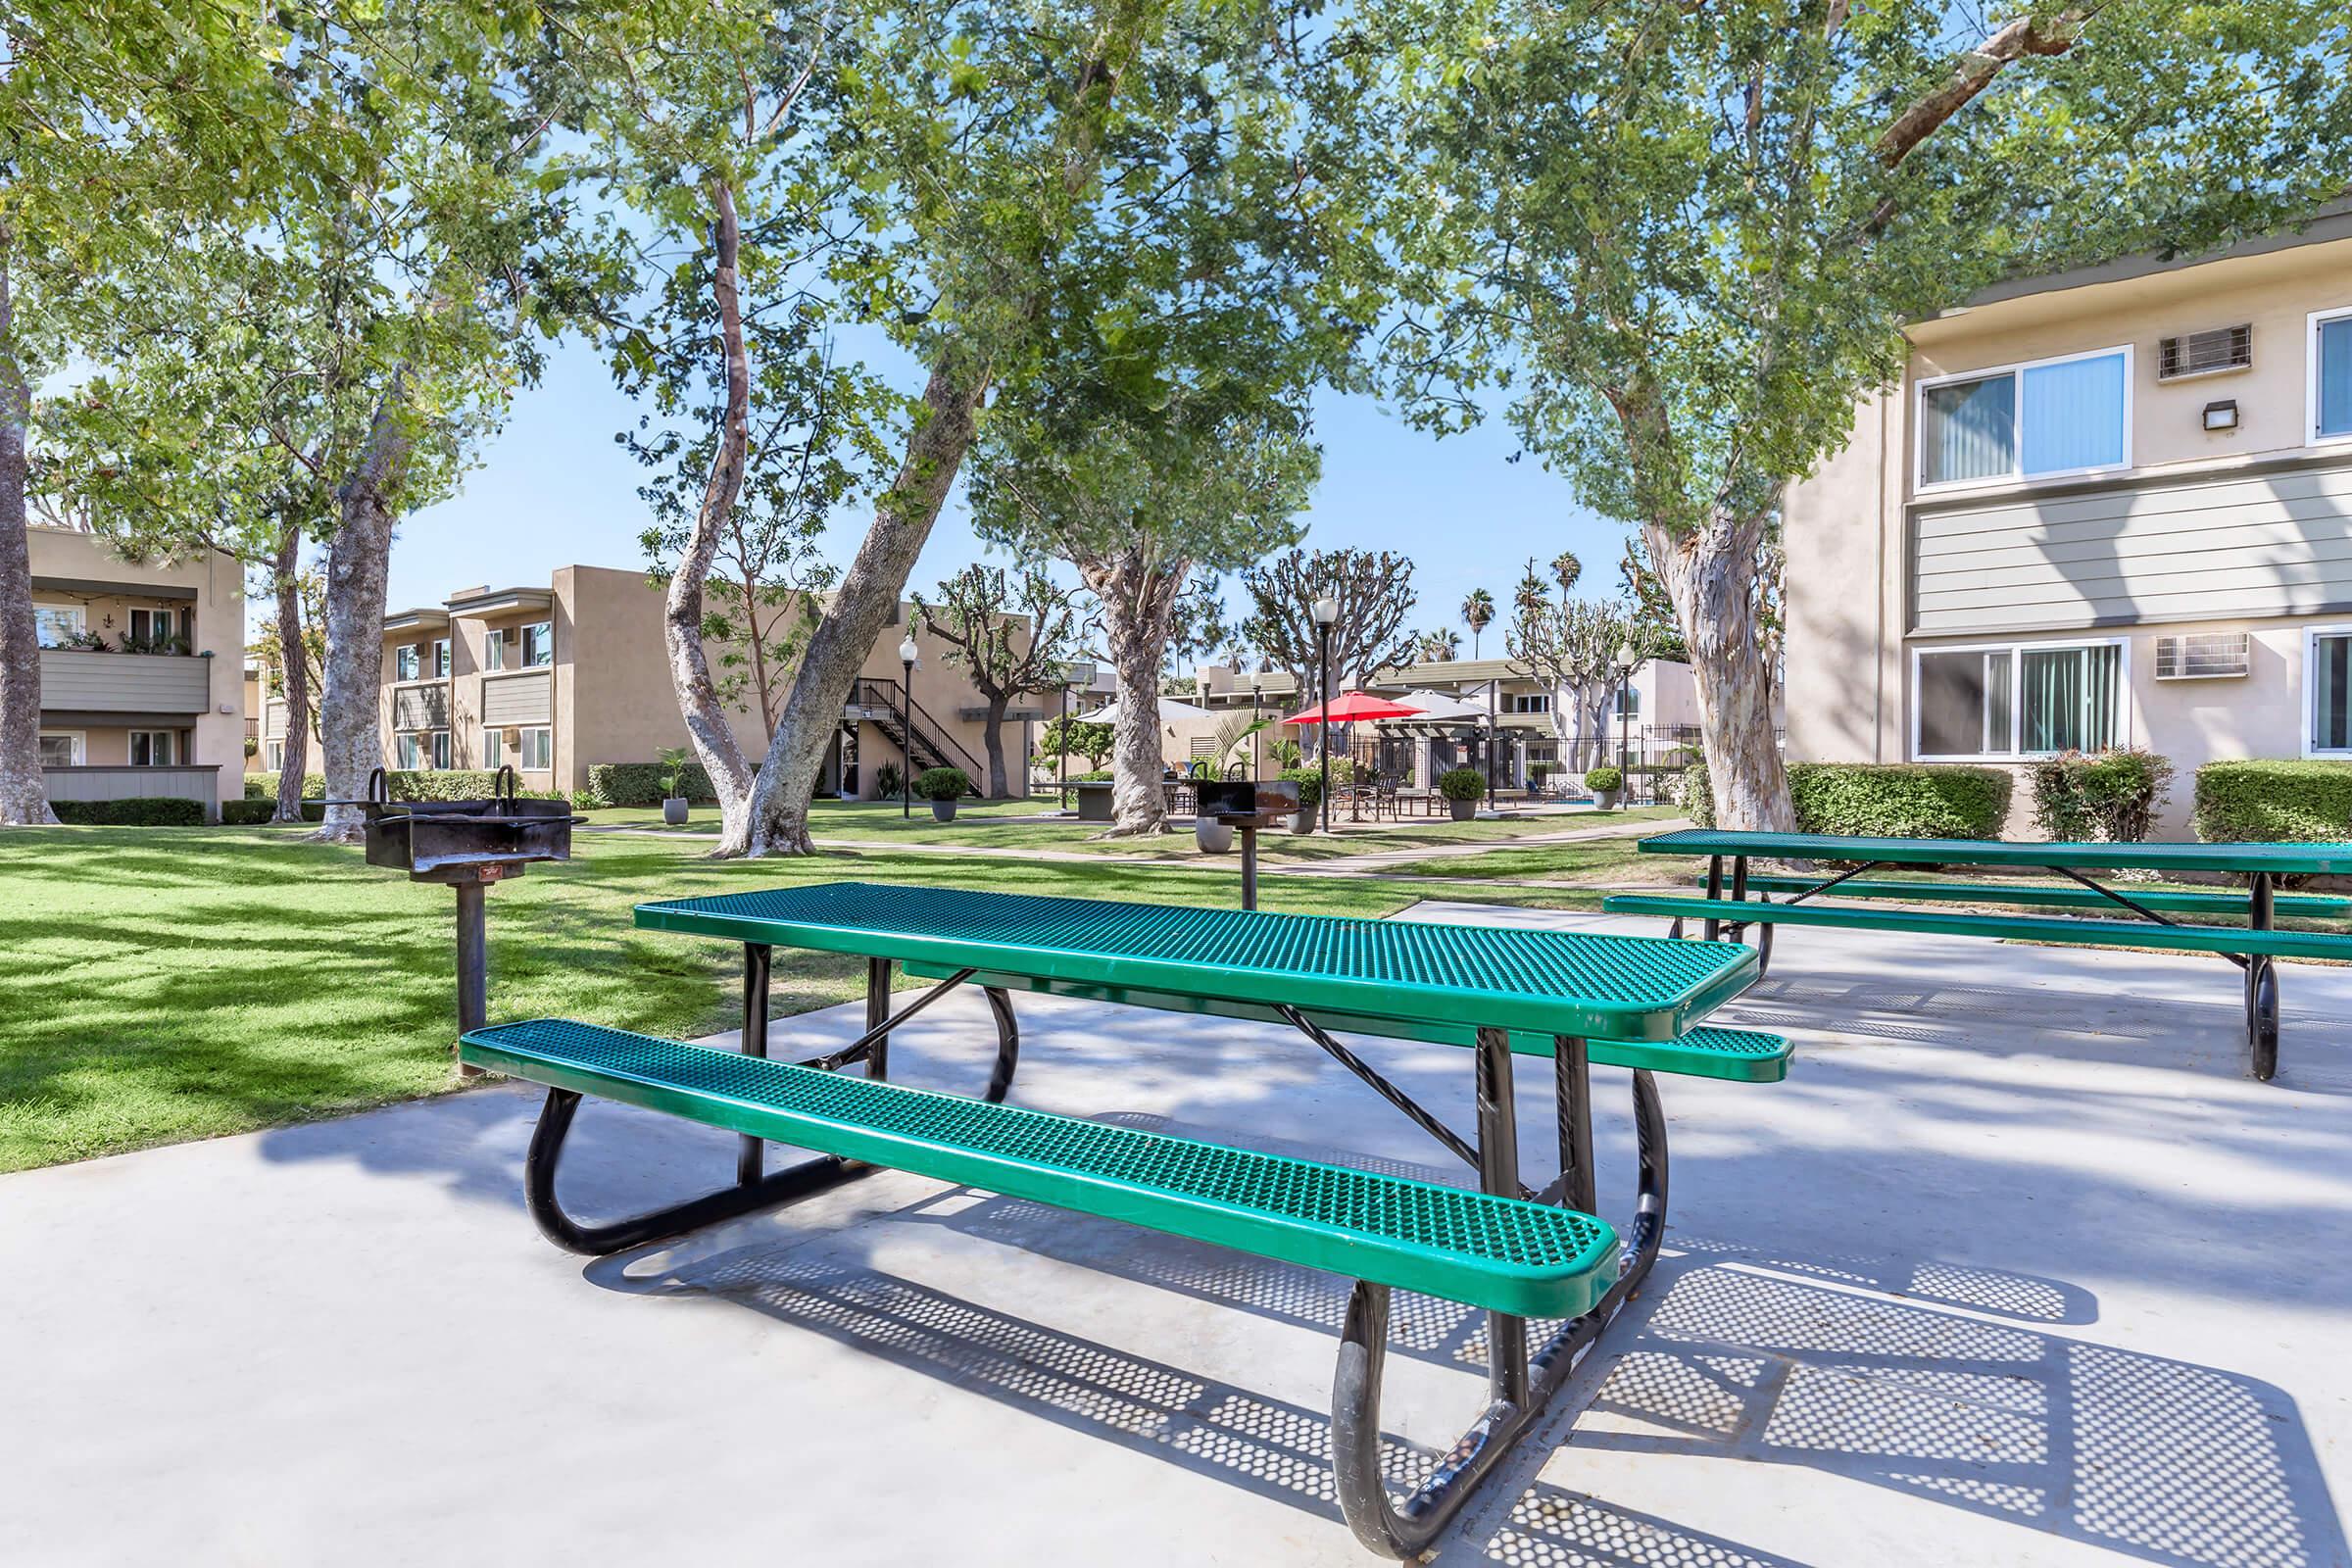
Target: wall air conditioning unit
(2204, 656)
(510, 634)
(510, 736)
(2207, 352)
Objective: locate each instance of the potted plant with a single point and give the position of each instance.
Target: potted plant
(1604, 782)
(943, 787)
(1536, 773)
(1213, 837)
(673, 761)
(1311, 795)
(1462, 787)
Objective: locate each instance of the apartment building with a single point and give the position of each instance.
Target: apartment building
(552, 680)
(2111, 506)
(139, 669)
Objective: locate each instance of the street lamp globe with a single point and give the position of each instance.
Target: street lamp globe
(907, 650)
(1327, 610)
(1625, 655)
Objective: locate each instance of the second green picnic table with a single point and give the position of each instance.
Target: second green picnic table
(1738, 896)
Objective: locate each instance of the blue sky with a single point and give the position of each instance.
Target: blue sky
(555, 489)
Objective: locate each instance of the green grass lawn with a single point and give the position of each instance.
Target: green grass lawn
(162, 984)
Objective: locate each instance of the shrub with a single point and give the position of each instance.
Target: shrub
(1537, 772)
(888, 781)
(2274, 802)
(264, 786)
(139, 810)
(246, 812)
(253, 748)
(643, 783)
(2110, 794)
(1311, 785)
(1462, 784)
(942, 784)
(1879, 799)
(1093, 775)
(1604, 780)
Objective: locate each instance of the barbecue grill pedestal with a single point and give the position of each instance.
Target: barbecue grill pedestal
(1246, 806)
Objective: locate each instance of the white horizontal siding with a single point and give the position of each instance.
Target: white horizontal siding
(2271, 544)
(513, 699)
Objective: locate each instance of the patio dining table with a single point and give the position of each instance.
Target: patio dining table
(1577, 997)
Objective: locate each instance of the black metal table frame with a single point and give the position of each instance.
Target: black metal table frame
(2261, 970)
(1521, 1382)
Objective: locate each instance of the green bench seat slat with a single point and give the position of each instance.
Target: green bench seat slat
(2223, 902)
(2282, 859)
(1502, 1253)
(1618, 987)
(1743, 1056)
(2026, 927)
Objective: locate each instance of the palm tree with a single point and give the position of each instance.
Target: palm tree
(1441, 645)
(1567, 568)
(1478, 613)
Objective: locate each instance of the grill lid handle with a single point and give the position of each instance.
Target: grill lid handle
(502, 789)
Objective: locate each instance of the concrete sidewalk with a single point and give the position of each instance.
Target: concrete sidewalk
(2016, 1268)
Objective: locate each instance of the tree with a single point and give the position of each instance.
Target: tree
(1076, 737)
(1007, 640)
(1571, 645)
(1652, 608)
(305, 671)
(1373, 591)
(1478, 613)
(107, 116)
(1689, 236)
(1441, 645)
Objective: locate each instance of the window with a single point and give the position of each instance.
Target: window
(2020, 699)
(440, 748)
(61, 748)
(493, 750)
(403, 661)
(274, 755)
(57, 625)
(408, 752)
(2327, 662)
(1628, 702)
(441, 659)
(157, 631)
(154, 748)
(1527, 703)
(538, 749)
(494, 649)
(538, 644)
(2329, 411)
(2050, 417)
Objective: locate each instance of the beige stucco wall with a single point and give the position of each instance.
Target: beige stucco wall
(217, 735)
(1849, 525)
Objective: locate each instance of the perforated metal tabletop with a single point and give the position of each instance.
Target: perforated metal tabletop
(1550, 982)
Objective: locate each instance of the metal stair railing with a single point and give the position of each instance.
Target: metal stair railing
(913, 730)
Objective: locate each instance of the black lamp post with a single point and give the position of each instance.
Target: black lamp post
(1492, 687)
(1256, 694)
(1624, 680)
(1327, 611)
(907, 652)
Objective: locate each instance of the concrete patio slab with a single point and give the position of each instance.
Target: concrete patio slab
(2016, 1268)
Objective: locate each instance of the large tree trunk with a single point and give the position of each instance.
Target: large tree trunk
(866, 602)
(1138, 596)
(294, 667)
(999, 785)
(23, 793)
(707, 726)
(358, 561)
(1711, 576)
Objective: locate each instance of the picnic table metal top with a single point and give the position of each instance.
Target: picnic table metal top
(2290, 860)
(1553, 981)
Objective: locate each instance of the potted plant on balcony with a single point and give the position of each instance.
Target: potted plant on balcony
(673, 761)
(1605, 783)
(943, 787)
(1462, 787)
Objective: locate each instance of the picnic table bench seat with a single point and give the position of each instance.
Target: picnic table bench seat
(1506, 1254)
(1710, 1051)
(2220, 901)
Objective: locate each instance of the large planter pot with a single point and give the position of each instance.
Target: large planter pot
(1606, 799)
(674, 810)
(1215, 837)
(1463, 810)
(1094, 800)
(943, 810)
(1303, 821)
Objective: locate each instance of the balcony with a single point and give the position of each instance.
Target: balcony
(74, 680)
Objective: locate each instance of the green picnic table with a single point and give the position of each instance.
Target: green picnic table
(1632, 1002)
(2148, 912)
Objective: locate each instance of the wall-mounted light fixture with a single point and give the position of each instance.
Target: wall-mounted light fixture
(2222, 415)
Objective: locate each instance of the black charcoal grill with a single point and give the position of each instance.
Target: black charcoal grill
(466, 844)
(1246, 805)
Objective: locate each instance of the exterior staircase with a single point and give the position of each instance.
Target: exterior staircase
(915, 733)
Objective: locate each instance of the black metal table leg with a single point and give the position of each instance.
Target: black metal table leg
(877, 1013)
(1714, 892)
(751, 1157)
(1498, 1173)
(1572, 1081)
(2262, 985)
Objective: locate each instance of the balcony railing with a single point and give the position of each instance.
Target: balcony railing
(77, 680)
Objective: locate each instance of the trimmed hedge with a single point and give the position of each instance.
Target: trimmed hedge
(251, 813)
(2274, 802)
(640, 783)
(1311, 785)
(1883, 801)
(262, 786)
(2111, 794)
(139, 810)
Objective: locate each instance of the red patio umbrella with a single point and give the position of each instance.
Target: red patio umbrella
(1351, 707)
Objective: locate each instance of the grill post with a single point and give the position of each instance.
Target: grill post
(474, 962)
(1248, 865)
